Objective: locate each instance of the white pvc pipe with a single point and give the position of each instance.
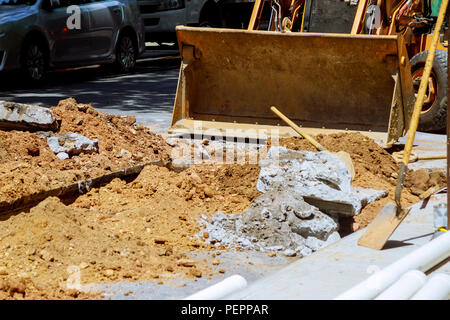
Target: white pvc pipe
(436, 288)
(221, 289)
(423, 259)
(405, 287)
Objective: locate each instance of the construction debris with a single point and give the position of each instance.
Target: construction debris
(28, 165)
(18, 116)
(321, 178)
(147, 227)
(276, 221)
(66, 145)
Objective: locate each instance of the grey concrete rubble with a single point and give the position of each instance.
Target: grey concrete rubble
(276, 221)
(18, 116)
(217, 151)
(321, 178)
(65, 145)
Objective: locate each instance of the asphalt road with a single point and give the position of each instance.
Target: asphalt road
(148, 93)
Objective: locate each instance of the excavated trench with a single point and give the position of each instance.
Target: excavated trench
(145, 224)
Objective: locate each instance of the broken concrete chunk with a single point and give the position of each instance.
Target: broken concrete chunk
(272, 223)
(321, 178)
(125, 154)
(314, 244)
(71, 144)
(320, 226)
(18, 116)
(289, 253)
(303, 251)
(63, 155)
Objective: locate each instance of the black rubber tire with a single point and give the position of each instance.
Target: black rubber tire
(435, 119)
(34, 61)
(125, 54)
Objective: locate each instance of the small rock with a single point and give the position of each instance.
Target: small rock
(171, 142)
(196, 272)
(62, 155)
(84, 265)
(205, 235)
(126, 294)
(205, 142)
(138, 156)
(74, 293)
(45, 255)
(271, 254)
(305, 251)
(3, 271)
(215, 262)
(160, 241)
(16, 286)
(221, 270)
(186, 263)
(125, 153)
(208, 192)
(129, 120)
(109, 273)
(33, 150)
(181, 164)
(289, 253)
(314, 244)
(196, 178)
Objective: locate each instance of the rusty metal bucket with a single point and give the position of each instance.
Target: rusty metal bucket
(336, 81)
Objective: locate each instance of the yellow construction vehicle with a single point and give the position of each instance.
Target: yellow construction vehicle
(324, 63)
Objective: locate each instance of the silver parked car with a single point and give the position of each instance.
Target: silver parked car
(37, 35)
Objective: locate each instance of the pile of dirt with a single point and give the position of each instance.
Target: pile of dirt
(29, 166)
(374, 168)
(146, 228)
(421, 180)
(141, 230)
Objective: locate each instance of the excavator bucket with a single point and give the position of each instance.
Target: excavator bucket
(229, 79)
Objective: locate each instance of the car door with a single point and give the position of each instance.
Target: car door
(106, 17)
(68, 31)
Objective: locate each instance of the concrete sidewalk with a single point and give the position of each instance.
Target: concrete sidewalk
(334, 269)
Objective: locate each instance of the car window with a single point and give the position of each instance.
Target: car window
(17, 2)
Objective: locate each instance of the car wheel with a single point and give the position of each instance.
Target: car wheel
(34, 62)
(125, 54)
(434, 110)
